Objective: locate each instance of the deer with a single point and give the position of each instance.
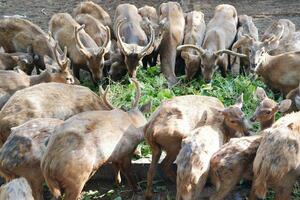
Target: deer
(234, 160)
(276, 73)
(21, 154)
(279, 38)
(220, 34)
(116, 62)
(25, 61)
(16, 189)
(276, 164)
(51, 100)
(95, 10)
(193, 160)
(265, 112)
(175, 119)
(83, 52)
(171, 18)
(17, 35)
(247, 27)
(194, 34)
(150, 16)
(94, 28)
(131, 38)
(99, 137)
(56, 71)
(294, 96)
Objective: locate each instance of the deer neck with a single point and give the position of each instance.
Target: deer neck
(138, 121)
(41, 78)
(227, 132)
(267, 124)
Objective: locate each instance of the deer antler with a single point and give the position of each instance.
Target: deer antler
(79, 43)
(185, 46)
(61, 62)
(103, 95)
(137, 97)
(230, 53)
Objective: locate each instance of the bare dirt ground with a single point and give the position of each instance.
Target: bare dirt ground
(262, 11)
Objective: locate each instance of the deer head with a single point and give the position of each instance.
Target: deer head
(267, 107)
(209, 59)
(94, 55)
(58, 70)
(134, 53)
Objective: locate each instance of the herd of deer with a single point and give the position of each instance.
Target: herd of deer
(61, 133)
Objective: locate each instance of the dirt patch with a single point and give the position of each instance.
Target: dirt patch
(263, 11)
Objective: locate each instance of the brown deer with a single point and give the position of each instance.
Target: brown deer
(51, 100)
(17, 35)
(247, 27)
(194, 34)
(83, 50)
(94, 138)
(279, 38)
(21, 154)
(95, 10)
(175, 119)
(16, 189)
(234, 160)
(150, 16)
(276, 74)
(131, 38)
(220, 34)
(95, 29)
(171, 17)
(265, 112)
(59, 71)
(276, 164)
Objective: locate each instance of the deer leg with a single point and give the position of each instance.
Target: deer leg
(156, 152)
(145, 62)
(126, 170)
(252, 195)
(225, 187)
(223, 64)
(76, 71)
(285, 187)
(167, 166)
(154, 59)
(117, 174)
(235, 68)
(37, 187)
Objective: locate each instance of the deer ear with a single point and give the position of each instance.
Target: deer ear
(203, 119)
(146, 108)
(284, 105)
(184, 55)
(260, 94)
(15, 58)
(240, 100)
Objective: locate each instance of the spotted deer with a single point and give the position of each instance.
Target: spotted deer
(234, 160)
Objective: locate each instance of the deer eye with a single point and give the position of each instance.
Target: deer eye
(232, 121)
(268, 112)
